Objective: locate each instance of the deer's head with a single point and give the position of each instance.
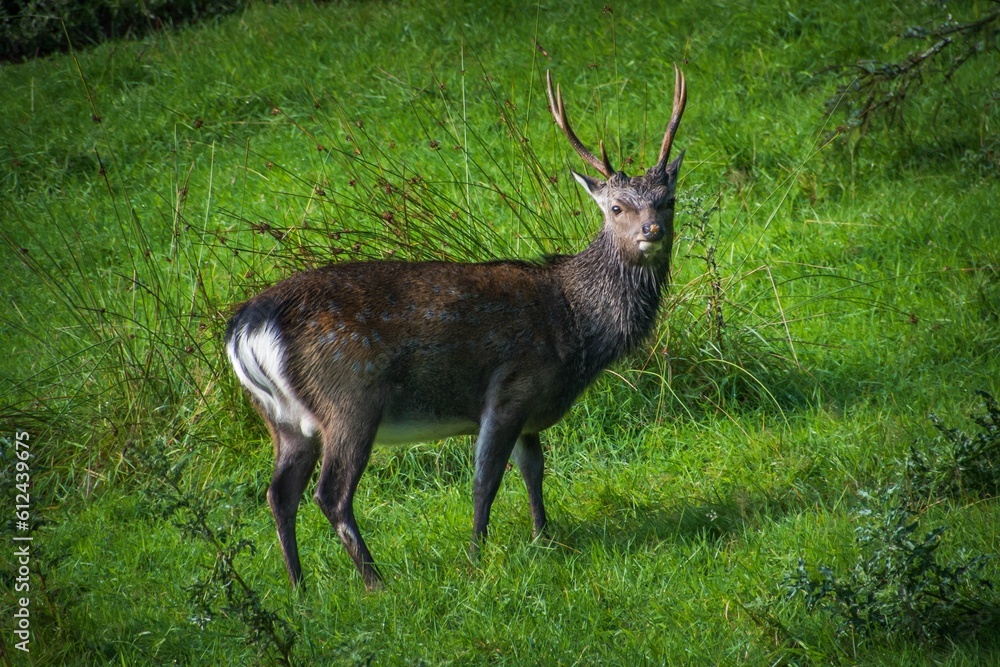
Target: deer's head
(638, 210)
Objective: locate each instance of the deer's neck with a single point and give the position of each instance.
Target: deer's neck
(614, 301)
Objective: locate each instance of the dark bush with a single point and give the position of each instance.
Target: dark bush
(898, 585)
(30, 28)
(958, 464)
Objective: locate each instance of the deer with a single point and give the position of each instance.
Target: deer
(339, 358)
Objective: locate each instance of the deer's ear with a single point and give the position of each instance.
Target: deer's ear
(672, 169)
(590, 184)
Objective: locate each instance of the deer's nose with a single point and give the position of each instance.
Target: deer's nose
(652, 231)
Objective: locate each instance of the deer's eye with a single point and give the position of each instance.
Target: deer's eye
(616, 209)
(670, 204)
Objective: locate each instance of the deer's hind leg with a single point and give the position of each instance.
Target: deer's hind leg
(347, 447)
(295, 456)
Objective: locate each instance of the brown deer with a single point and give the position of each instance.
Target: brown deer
(339, 358)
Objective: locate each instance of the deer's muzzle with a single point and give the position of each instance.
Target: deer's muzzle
(652, 231)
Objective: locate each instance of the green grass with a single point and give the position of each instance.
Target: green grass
(857, 280)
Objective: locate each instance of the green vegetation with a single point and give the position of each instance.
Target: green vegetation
(898, 585)
(829, 293)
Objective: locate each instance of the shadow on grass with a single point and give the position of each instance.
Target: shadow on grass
(622, 524)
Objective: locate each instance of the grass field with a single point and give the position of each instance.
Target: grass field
(830, 290)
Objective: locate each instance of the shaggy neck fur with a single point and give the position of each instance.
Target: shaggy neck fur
(614, 301)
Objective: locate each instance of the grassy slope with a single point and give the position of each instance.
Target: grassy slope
(858, 287)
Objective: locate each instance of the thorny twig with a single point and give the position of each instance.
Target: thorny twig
(883, 87)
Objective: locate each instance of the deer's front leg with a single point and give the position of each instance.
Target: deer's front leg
(494, 445)
(531, 462)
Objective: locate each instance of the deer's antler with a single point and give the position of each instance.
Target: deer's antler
(559, 113)
(680, 99)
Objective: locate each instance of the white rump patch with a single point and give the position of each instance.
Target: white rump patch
(258, 359)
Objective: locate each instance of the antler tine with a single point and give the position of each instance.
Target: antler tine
(559, 113)
(680, 99)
